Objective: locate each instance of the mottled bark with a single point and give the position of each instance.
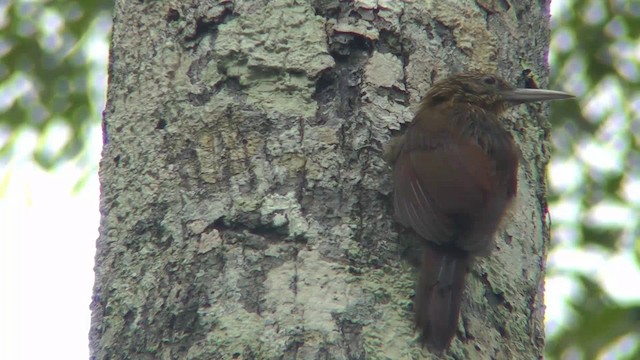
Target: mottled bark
(246, 209)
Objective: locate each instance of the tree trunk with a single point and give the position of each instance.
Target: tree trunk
(246, 208)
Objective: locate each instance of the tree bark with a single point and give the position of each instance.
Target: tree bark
(246, 208)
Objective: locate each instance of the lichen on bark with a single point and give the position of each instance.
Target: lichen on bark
(245, 204)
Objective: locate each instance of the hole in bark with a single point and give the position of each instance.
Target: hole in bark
(162, 123)
(128, 317)
(509, 239)
(503, 332)
(325, 82)
(172, 15)
(529, 81)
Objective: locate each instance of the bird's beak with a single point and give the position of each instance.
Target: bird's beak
(520, 96)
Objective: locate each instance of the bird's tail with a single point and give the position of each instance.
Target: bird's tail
(438, 295)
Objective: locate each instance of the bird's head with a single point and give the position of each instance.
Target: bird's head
(486, 90)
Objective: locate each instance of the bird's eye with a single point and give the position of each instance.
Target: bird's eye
(489, 80)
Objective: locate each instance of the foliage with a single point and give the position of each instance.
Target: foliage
(46, 83)
(594, 55)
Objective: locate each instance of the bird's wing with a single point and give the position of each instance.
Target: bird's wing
(439, 185)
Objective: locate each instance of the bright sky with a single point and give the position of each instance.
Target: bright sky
(46, 258)
(46, 262)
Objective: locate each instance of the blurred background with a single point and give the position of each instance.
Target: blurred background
(53, 63)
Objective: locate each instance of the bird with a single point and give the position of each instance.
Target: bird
(455, 175)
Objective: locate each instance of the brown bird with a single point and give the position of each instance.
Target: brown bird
(455, 173)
